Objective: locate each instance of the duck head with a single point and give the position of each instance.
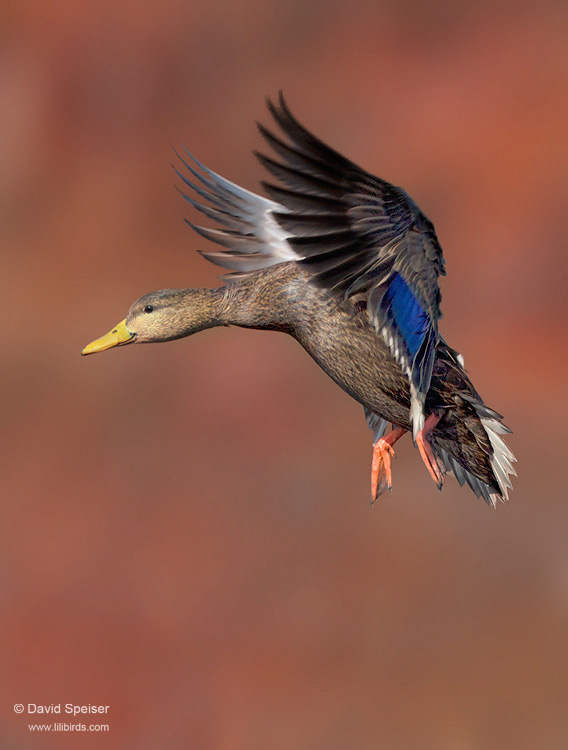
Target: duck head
(162, 316)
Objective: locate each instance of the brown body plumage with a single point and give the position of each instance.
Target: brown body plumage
(348, 265)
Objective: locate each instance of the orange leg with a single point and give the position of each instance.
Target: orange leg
(381, 475)
(426, 450)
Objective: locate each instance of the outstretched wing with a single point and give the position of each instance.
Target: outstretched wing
(367, 239)
(358, 235)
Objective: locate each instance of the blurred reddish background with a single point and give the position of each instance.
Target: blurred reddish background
(186, 533)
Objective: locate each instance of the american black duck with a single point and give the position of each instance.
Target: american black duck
(348, 265)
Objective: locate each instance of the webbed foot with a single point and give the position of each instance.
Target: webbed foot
(381, 473)
(426, 451)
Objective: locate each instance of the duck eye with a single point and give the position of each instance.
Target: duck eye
(149, 308)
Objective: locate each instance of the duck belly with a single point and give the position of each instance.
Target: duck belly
(358, 360)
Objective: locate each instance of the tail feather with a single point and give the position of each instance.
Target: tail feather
(502, 458)
(482, 490)
(468, 439)
(491, 487)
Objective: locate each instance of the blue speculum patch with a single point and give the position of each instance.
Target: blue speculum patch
(406, 312)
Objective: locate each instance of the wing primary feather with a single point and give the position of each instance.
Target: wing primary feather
(223, 217)
(234, 241)
(297, 159)
(303, 203)
(242, 263)
(303, 138)
(203, 193)
(293, 178)
(310, 224)
(236, 191)
(198, 176)
(322, 243)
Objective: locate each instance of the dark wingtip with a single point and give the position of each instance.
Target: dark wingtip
(284, 104)
(266, 134)
(272, 108)
(263, 159)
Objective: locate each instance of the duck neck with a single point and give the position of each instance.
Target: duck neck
(253, 302)
(196, 310)
(249, 302)
(204, 308)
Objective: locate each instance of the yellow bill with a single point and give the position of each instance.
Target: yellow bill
(116, 337)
